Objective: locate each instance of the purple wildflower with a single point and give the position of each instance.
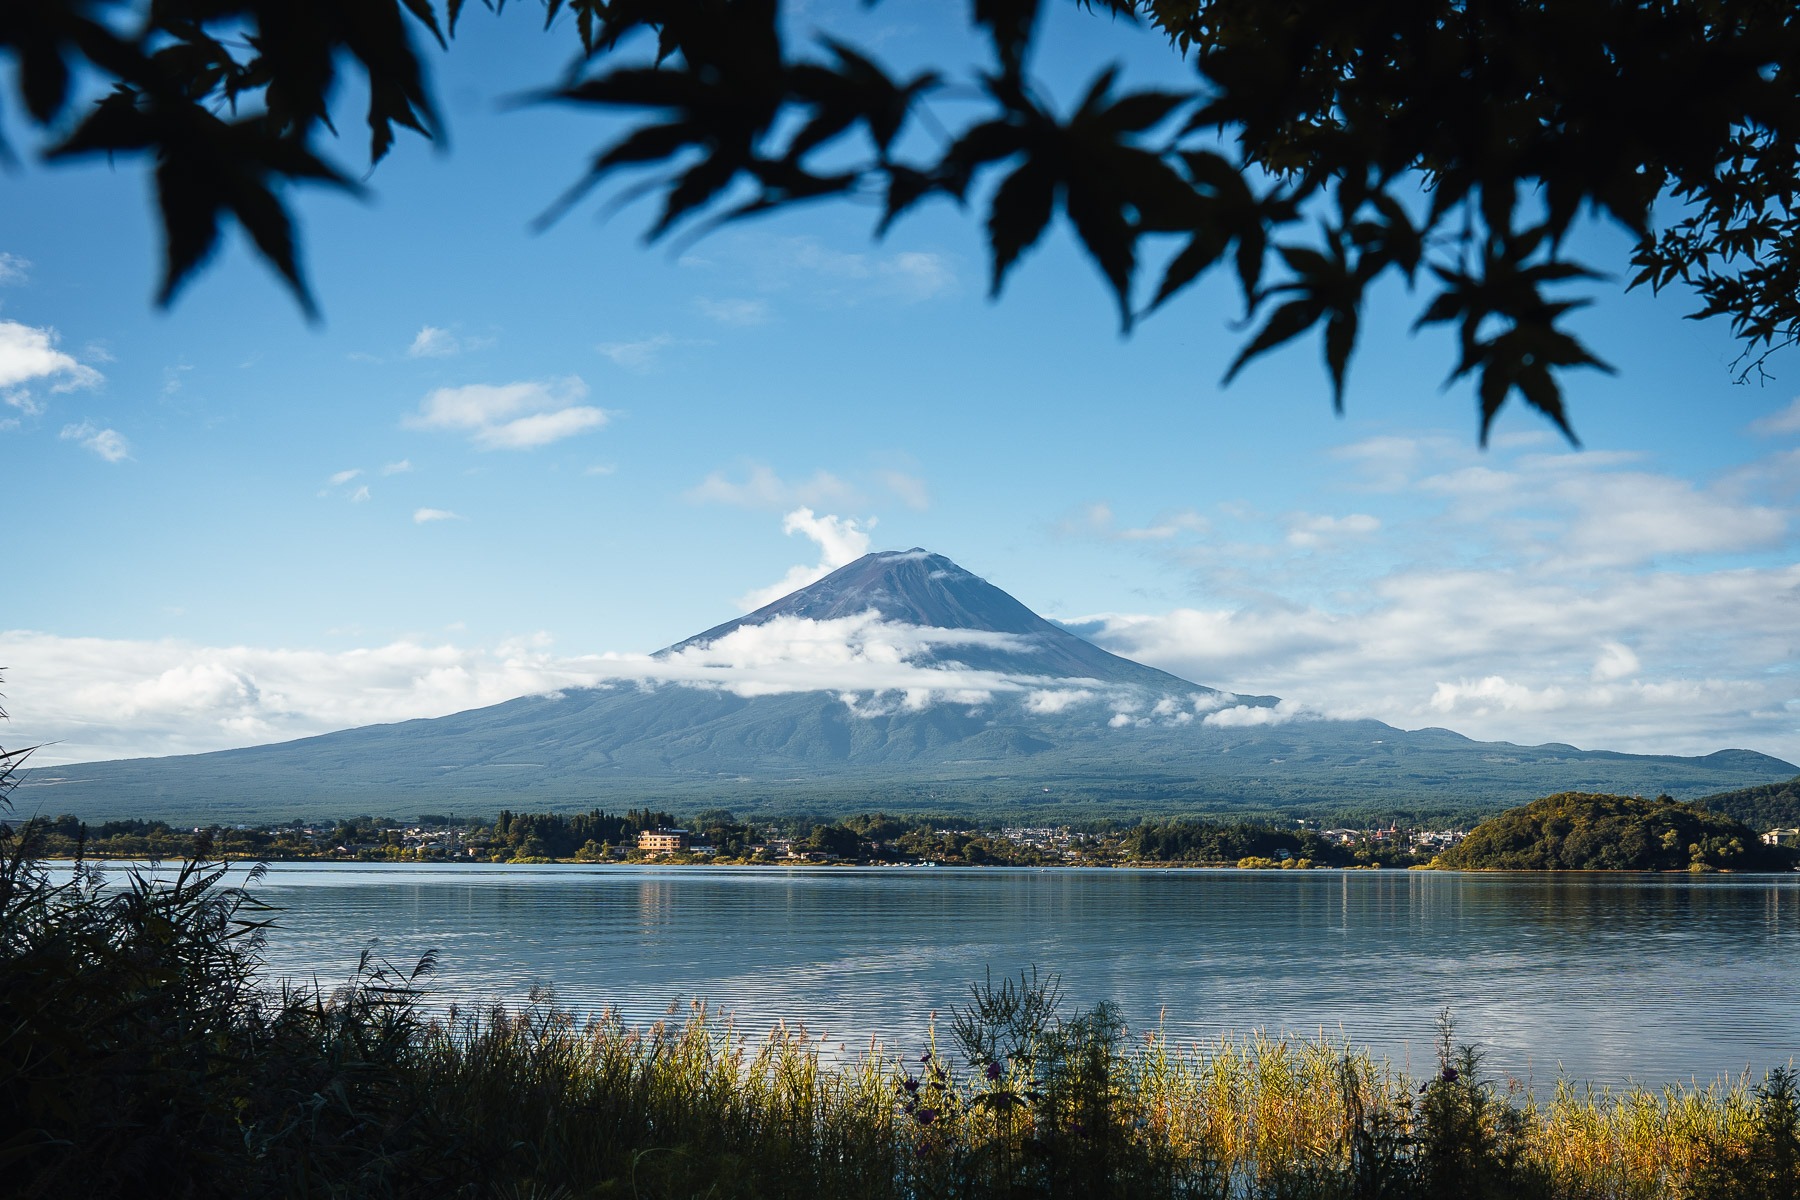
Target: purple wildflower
(993, 1071)
(927, 1115)
(1448, 1075)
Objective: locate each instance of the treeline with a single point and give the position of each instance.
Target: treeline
(1580, 831)
(1207, 842)
(1771, 806)
(67, 836)
(560, 835)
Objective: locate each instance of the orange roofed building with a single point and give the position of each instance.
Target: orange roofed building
(663, 841)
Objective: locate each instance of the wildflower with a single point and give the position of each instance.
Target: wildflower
(911, 1084)
(927, 1115)
(1448, 1075)
(993, 1071)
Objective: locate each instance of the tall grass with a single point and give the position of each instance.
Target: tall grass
(141, 1053)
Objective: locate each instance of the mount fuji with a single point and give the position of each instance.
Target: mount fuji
(899, 681)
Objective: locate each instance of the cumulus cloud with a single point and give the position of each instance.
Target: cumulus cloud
(1056, 700)
(761, 487)
(1245, 716)
(105, 698)
(113, 698)
(1652, 662)
(28, 355)
(1778, 423)
(109, 444)
(425, 516)
(840, 540)
(1526, 594)
(1590, 509)
(510, 416)
(1616, 661)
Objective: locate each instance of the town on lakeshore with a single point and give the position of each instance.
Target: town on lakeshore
(1629, 832)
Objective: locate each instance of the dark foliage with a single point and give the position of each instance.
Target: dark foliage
(558, 835)
(1326, 145)
(1574, 831)
(1772, 806)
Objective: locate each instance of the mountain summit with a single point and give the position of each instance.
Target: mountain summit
(898, 681)
(915, 587)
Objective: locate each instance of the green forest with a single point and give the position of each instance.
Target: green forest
(1579, 831)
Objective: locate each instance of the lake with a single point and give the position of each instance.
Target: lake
(1608, 977)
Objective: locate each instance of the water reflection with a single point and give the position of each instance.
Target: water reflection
(1657, 978)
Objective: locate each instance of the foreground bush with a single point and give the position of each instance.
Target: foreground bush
(141, 1054)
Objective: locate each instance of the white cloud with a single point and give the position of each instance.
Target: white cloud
(1724, 647)
(432, 342)
(172, 377)
(1778, 423)
(344, 476)
(28, 354)
(1616, 661)
(424, 516)
(1311, 531)
(1099, 521)
(25, 402)
(602, 469)
(109, 444)
(540, 429)
(398, 468)
(1056, 700)
(763, 488)
(14, 270)
(511, 416)
(915, 275)
(1244, 716)
(1527, 594)
(840, 541)
(911, 276)
(360, 495)
(640, 355)
(910, 489)
(102, 698)
(1584, 509)
(737, 311)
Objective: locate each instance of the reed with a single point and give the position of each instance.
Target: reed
(139, 1042)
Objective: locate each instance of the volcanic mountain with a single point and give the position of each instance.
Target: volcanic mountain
(899, 681)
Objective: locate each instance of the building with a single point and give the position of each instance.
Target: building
(1782, 837)
(663, 841)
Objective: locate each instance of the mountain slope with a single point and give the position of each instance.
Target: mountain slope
(915, 587)
(960, 698)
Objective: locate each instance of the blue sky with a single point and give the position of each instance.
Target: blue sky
(504, 455)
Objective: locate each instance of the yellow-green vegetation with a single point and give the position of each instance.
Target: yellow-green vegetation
(1578, 831)
(141, 1043)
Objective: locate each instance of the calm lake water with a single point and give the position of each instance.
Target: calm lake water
(1610, 978)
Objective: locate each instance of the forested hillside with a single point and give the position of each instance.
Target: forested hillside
(1771, 806)
(1579, 831)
